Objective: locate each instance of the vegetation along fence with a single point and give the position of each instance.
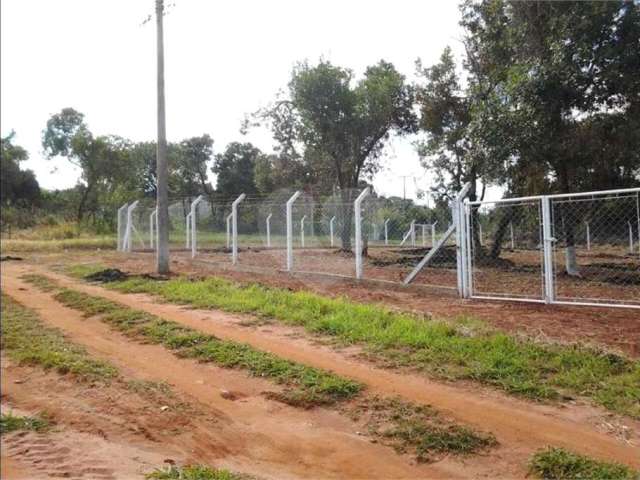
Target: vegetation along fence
(574, 248)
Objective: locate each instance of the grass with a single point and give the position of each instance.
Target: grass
(44, 246)
(11, 423)
(442, 349)
(27, 340)
(559, 464)
(304, 386)
(405, 426)
(418, 429)
(193, 472)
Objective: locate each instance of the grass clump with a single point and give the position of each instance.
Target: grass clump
(11, 423)
(418, 429)
(41, 246)
(27, 340)
(304, 386)
(43, 283)
(193, 472)
(517, 366)
(559, 464)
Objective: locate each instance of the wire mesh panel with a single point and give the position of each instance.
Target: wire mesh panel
(324, 234)
(597, 248)
(141, 230)
(212, 241)
(262, 232)
(399, 234)
(506, 249)
(178, 210)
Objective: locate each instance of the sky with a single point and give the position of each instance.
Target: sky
(223, 59)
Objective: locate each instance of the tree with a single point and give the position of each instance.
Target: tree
(235, 169)
(98, 158)
(342, 124)
(17, 186)
(192, 164)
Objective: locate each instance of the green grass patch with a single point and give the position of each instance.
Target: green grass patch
(83, 270)
(48, 246)
(12, 423)
(194, 472)
(417, 429)
(304, 386)
(559, 464)
(43, 283)
(27, 340)
(442, 349)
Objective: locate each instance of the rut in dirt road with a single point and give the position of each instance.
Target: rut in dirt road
(523, 425)
(258, 434)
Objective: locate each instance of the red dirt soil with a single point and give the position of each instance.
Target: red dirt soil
(520, 426)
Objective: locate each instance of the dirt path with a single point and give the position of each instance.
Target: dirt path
(252, 434)
(522, 426)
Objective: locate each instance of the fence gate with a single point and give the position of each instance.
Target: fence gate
(579, 248)
(505, 245)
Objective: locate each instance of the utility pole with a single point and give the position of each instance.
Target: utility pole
(162, 200)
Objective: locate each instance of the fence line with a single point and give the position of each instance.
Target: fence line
(581, 248)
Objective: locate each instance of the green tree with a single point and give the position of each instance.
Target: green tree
(235, 169)
(342, 124)
(17, 186)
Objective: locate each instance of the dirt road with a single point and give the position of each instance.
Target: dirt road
(274, 434)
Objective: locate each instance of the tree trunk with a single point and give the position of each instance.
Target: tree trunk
(161, 154)
(571, 259)
(505, 220)
(83, 202)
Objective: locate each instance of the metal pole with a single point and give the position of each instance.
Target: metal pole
(413, 233)
(638, 218)
(121, 225)
(424, 235)
(187, 220)
(630, 237)
(547, 242)
(433, 233)
(302, 230)
(358, 220)
(386, 231)
(588, 236)
(194, 231)
(290, 230)
(480, 232)
(333, 219)
(128, 237)
(229, 230)
(513, 243)
(151, 227)
(269, 229)
(234, 228)
(462, 252)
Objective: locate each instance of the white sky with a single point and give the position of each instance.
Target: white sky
(223, 59)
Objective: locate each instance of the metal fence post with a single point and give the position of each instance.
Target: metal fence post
(234, 228)
(333, 219)
(588, 236)
(290, 230)
(413, 233)
(357, 204)
(386, 231)
(630, 237)
(269, 229)
(122, 220)
(152, 220)
(424, 234)
(229, 230)
(547, 245)
(187, 228)
(462, 253)
(302, 230)
(194, 231)
(128, 242)
(513, 243)
(433, 233)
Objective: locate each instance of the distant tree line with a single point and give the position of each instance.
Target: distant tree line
(546, 98)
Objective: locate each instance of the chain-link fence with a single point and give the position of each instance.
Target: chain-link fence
(577, 248)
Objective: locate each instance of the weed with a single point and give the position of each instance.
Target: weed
(11, 423)
(417, 428)
(559, 464)
(193, 472)
(518, 366)
(27, 340)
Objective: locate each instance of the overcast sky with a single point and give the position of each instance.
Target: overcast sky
(223, 59)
